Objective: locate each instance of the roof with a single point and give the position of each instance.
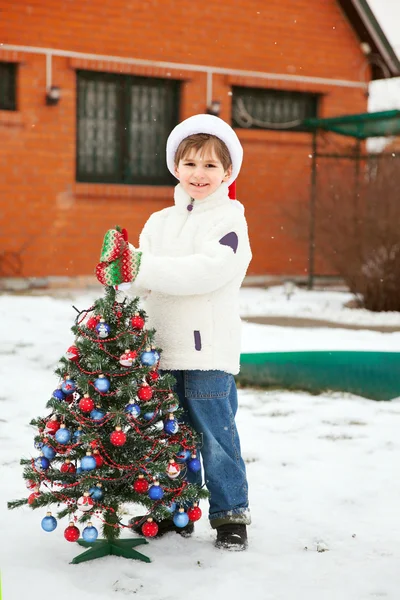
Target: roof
(382, 57)
(360, 126)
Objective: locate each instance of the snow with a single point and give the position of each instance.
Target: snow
(322, 476)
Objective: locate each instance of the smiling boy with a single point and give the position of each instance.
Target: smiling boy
(192, 259)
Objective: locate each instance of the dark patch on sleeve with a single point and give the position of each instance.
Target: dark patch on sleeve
(231, 240)
(197, 340)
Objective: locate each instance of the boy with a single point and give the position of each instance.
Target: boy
(191, 261)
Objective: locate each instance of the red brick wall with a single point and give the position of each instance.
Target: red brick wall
(57, 225)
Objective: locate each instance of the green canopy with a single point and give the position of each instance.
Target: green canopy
(361, 126)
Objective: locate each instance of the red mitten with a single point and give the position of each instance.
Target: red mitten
(122, 270)
(114, 244)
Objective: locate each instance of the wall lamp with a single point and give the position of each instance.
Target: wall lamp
(214, 108)
(53, 95)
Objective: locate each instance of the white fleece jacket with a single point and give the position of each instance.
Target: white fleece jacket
(193, 263)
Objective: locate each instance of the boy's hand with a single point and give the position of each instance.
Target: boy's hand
(119, 261)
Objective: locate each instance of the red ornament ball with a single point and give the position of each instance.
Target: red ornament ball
(118, 437)
(92, 322)
(194, 513)
(153, 376)
(150, 528)
(137, 322)
(67, 467)
(69, 399)
(99, 459)
(32, 497)
(86, 404)
(141, 485)
(52, 426)
(145, 392)
(72, 533)
(73, 353)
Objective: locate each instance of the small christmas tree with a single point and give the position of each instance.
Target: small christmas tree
(113, 436)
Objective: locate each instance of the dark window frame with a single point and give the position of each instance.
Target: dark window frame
(125, 87)
(8, 85)
(308, 104)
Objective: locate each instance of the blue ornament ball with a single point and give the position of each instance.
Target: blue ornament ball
(90, 533)
(155, 492)
(148, 358)
(133, 409)
(148, 416)
(96, 414)
(182, 455)
(88, 463)
(181, 519)
(59, 394)
(194, 465)
(171, 426)
(49, 523)
(63, 435)
(49, 452)
(102, 384)
(38, 445)
(78, 434)
(96, 493)
(42, 463)
(68, 386)
(102, 329)
(171, 508)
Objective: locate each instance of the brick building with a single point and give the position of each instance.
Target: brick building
(126, 72)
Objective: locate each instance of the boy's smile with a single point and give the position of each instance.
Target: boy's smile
(201, 173)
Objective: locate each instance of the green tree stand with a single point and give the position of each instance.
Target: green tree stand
(100, 548)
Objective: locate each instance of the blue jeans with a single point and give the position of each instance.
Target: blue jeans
(209, 400)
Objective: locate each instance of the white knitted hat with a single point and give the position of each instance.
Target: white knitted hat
(206, 124)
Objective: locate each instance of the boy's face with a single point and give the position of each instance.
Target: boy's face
(201, 173)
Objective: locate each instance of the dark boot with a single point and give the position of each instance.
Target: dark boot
(232, 536)
(164, 526)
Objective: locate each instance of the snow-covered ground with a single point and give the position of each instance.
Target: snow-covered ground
(322, 474)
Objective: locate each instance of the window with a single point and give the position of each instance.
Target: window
(254, 108)
(122, 127)
(8, 84)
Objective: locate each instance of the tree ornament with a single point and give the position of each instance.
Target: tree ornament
(141, 485)
(85, 502)
(171, 508)
(96, 492)
(73, 353)
(30, 484)
(173, 469)
(102, 329)
(133, 409)
(88, 462)
(127, 358)
(86, 404)
(78, 433)
(155, 491)
(70, 398)
(42, 463)
(156, 354)
(150, 528)
(32, 497)
(182, 455)
(173, 406)
(67, 467)
(149, 416)
(153, 376)
(72, 533)
(148, 358)
(92, 322)
(98, 458)
(63, 435)
(48, 452)
(137, 321)
(102, 384)
(97, 414)
(194, 464)
(118, 437)
(194, 512)
(68, 386)
(59, 394)
(90, 533)
(145, 392)
(181, 518)
(171, 425)
(49, 523)
(38, 445)
(52, 425)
